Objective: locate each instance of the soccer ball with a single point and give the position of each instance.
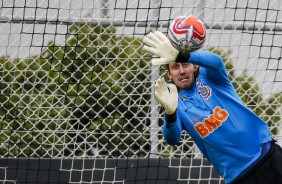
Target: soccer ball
(187, 33)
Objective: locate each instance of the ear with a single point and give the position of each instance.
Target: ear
(168, 75)
(197, 67)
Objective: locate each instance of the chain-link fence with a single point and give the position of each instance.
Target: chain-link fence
(76, 83)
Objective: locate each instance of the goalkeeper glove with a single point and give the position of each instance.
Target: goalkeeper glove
(166, 95)
(158, 44)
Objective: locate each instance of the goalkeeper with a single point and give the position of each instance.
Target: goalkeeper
(203, 102)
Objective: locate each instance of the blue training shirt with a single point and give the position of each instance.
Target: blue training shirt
(228, 134)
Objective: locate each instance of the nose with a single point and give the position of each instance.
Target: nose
(181, 69)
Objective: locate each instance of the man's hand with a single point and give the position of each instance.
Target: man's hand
(158, 44)
(166, 95)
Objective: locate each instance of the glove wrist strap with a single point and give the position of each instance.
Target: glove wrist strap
(182, 57)
(171, 118)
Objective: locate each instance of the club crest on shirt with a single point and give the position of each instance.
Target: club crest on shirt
(204, 91)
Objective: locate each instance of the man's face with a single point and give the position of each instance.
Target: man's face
(182, 74)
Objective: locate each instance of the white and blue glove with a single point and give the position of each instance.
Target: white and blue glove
(166, 95)
(158, 44)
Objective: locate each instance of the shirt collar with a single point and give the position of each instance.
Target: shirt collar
(185, 94)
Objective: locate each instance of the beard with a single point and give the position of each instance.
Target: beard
(187, 85)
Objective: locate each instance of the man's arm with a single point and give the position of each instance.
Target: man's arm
(172, 129)
(158, 44)
(167, 96)
(211, 64)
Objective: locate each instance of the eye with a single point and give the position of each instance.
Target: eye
(186, 64)
(175, 66)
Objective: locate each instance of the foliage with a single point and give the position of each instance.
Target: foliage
(76, 93)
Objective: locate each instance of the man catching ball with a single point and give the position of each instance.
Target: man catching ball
(202, 101)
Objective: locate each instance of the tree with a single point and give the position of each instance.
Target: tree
(28, 109)
(92, 89)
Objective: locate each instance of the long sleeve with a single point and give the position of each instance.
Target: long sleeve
(172, 130)
(211, 64)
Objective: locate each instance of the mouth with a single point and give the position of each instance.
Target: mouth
(183, 78)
